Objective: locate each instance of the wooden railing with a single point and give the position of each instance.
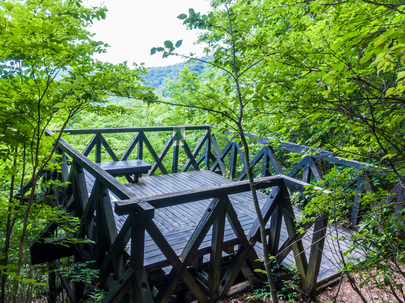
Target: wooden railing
(204, 153)
(123, 273)
(121, 277)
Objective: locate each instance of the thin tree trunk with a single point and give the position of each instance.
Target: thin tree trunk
(9, 227)
(267, 262)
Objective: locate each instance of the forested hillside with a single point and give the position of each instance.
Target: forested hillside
(327, 74)
(156, 76)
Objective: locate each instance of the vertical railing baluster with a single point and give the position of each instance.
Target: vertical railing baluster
(140, 146)
(207, 149)
(232, 163)
(98, 149)
(175, 157)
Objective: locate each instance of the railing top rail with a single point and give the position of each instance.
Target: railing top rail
(85, 131)
(168, 199)
(314, 152)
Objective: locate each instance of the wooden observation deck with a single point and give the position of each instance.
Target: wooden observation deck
(189, 228)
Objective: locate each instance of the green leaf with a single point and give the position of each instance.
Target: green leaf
(59, 105)
(401, 75)
(153, 51)
(178, 43)
(182, 16)
(168, 44)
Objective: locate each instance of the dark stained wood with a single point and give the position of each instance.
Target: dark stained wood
(315, 256)
(131, 129)
(218, 230)
(190, 156)
(136, 140)
(157, 158)
(90, 145)
(179, 268)
(175, 158)
(219, 160)
(108, 148)
(129, 167)
(158, 201)
(356, 204)
(185, 220)
(103, 177)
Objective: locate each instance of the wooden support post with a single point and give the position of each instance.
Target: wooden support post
(137, 241)
(79, 189)
(139, 154)
(98, 149)
(306, 176)
(244, 253)
(356, 204)
(218, 229)
(265, 164)
(276, 164)
(190, 156)
(175, 158)
(140, 291)
(275, 230)
(267, 210)
(232, 165)
(90, 145)
(315, 256)
(180, 264)
(207, 149)
(289, 219)
(399, 206)
(158, 159)
(52, 284)
(315, 170)
(65, 283)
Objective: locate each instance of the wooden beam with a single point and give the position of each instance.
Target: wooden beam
(155, 156)
(190, 156)
(136, 140)
(197, 149)
(84, 131)
(164, 200)
(267, 210)
(315, 257)
(299, 185)
(179, 264)
(356, 204)
(217, 240)
(108, 148)
(218, 155)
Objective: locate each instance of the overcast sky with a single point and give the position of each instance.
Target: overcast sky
(133, 27)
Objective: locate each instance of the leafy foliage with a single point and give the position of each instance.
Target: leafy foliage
(47, 75)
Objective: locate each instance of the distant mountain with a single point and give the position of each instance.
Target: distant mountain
(156, 76)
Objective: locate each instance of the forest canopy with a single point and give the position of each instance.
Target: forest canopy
(324, 73)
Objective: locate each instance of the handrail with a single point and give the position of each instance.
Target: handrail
(176, 198)
(87, 131)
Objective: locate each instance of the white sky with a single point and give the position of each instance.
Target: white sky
(133, 27)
